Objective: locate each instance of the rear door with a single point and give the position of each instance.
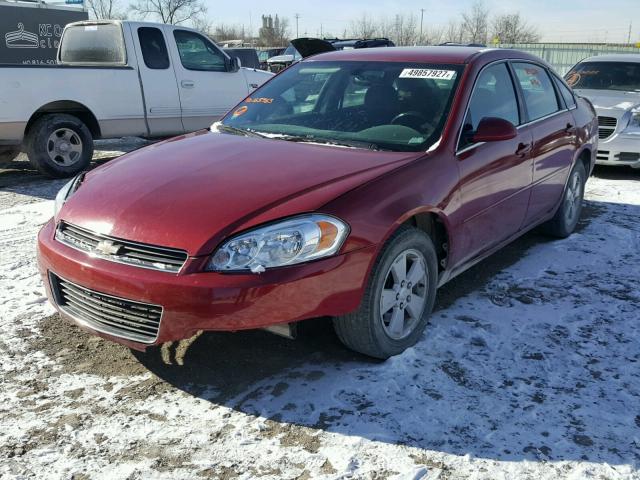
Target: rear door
(554, 137)
(495, 176)
(208, 86)
(162, 99)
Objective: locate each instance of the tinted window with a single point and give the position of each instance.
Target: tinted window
(154, 48)
(539, 94)
(197, 53)
(93, 44)
(623, 76)
(493, 96)
(569, 101)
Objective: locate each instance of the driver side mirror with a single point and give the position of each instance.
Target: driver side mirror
(492, 129)
(233, 64)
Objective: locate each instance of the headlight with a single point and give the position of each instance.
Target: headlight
(288, 242)
(634, 121)
(65, 192)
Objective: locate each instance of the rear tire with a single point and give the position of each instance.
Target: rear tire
(398, 299)
(59, 145)
(566, 218)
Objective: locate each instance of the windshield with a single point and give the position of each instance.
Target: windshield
(622, 76)
(378, 105)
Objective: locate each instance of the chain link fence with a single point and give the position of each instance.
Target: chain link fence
(563, 56)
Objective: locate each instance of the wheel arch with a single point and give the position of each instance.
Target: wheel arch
(68, 107)
(435, 224)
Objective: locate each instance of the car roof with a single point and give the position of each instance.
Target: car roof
(439, 54)
(620, 57)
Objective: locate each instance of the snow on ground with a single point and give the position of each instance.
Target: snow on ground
(529, 369)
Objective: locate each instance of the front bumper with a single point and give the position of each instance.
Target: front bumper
(207, 300)
(620, 149)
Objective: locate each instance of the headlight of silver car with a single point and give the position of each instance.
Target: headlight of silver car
(634, 121)
(66, 191)
(288, 242)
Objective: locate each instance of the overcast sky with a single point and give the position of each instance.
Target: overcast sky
(557, 20)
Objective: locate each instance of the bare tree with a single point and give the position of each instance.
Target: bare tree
(512, 28)
(170, 11)
(105, 9)
(454, 32)
(363, 27)
(475, 23)
(203, 24)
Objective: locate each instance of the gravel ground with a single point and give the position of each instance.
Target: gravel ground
(529, 369)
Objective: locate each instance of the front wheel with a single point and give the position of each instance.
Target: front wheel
(566, 218)
(398, 299)
(59, 145)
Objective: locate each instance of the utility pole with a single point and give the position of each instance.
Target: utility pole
(297, 18)
(629, 37)
(421, 21)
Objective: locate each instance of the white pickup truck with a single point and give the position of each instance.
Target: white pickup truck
(114, 79)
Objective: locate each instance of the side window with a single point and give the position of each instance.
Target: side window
(197, 53)
(493, 96)
(154, 48)
(569, 100)
(539, 94)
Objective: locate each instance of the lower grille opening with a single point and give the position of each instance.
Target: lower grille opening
(628, 156)
(128, 319)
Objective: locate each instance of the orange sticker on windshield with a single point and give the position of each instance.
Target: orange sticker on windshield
(573, 79)
(259, 100)
(241, 111)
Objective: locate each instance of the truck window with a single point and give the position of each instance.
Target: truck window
(154, 48)
(101, 43)
(197, 53)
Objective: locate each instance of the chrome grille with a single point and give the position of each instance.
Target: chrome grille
(606, 126)
(116, 316)
(121, 251)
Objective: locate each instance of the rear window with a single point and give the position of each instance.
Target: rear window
(93, 44)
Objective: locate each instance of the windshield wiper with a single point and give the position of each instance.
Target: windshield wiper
(238, 131)
(327, 141)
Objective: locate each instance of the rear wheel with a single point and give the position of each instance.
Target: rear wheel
(398, 299)
(59, 145)
(566, 218)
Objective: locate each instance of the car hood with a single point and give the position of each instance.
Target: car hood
(611, 100)
(192, 191)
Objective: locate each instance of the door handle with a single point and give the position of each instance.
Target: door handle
(523, 149)
(187, 83)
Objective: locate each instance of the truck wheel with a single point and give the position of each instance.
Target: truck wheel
(566, 218)
(398, 300)
(59, 145)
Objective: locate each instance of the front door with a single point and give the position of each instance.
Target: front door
(208, 87)
(495, 177)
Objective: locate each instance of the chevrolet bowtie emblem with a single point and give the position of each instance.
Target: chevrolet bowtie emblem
(107, 247)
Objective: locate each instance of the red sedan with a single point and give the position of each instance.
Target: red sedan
(351, 185)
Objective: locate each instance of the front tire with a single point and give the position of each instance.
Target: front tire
(59, 145)
(566, 218)
(398, 299)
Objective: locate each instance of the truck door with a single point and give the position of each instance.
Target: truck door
(208, 84)
(159, 85)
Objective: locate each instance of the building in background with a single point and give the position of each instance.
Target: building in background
(30, 31)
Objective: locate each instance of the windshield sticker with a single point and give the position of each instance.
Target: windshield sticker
(573, 79)
(259, 100)
(414, 140)
(240, 111)
(428, 73)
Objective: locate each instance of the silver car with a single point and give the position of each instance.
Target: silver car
(612, 84)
